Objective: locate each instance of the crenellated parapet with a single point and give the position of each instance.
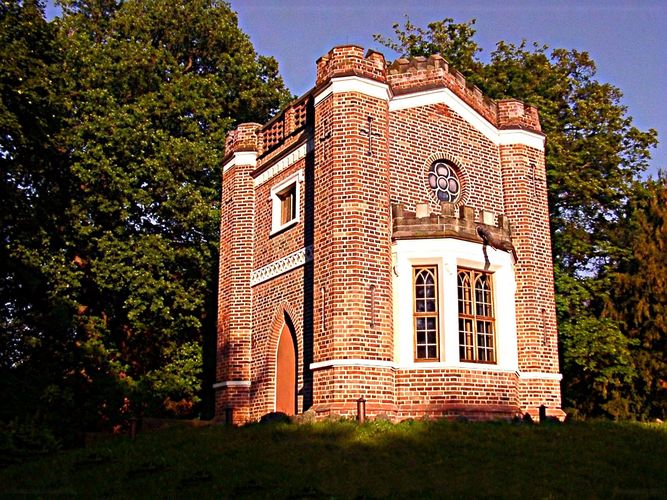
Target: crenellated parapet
(264, 138)
(422, 223)
(513, 113)
(403, 76)
(246, 137)
(350, 60)
(419, 74)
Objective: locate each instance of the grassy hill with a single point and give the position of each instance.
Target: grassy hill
(413, 459)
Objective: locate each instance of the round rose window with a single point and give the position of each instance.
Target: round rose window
(443, 180)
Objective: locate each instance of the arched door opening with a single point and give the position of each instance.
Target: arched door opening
(286, 382)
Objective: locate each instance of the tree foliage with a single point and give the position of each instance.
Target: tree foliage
(594, 157)
(113, 122)
(638, 297)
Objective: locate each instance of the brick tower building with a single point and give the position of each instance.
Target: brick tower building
(387, 237)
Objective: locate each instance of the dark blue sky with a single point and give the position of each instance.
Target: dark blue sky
(627, 39)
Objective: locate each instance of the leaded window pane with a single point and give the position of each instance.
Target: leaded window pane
(476, 318)
(443, 179)
(426, 312)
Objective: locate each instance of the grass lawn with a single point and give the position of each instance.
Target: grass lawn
(414, 459)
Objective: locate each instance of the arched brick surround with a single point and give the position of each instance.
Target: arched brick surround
(282, 311)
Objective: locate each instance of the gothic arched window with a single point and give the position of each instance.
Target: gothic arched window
(476, 317)
(426, 312)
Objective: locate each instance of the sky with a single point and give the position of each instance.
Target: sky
(627, 39)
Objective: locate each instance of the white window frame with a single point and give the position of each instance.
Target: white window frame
(449, 255)
(295, 181)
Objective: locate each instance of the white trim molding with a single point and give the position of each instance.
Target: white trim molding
(539, 376)
(281, 266)
(354, 84)
(377, 363)
(285, 162)
(232, 383)
(459, 106)
(241, 158)
(371, 363)
(525, 137)
(293, 181)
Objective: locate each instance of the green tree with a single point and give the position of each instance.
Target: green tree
(118, 236)
(33, 173)
(639, 297)
(594, 157)
(454, 41)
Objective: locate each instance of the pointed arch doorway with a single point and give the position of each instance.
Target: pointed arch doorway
(286, 372)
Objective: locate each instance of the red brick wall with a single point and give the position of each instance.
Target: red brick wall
(234, 296)
(535, 393)
(272, 299)
(269, 248)
(524, 184)
(449, 392)
(358, 231)
(338, 388)
(417, 133)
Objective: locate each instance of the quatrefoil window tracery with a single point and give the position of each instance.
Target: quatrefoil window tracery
(444, 181)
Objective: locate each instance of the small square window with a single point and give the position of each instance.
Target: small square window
(285, 203)
(287, 199)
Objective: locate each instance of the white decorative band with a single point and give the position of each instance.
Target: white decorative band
(241, 158)
(291, 261)
(458, 105)
(525, 137)
(232, 383)
(354, 84)
(375, 363)
(540, 376)
(372, 363)
(285, 162)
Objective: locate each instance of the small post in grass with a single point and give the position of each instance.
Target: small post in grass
(361, 410)
(543, 414)
(133, 428)
(229, 415)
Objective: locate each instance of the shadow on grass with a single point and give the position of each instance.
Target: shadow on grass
(376, 460)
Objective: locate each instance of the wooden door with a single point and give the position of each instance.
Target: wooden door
(286, 373)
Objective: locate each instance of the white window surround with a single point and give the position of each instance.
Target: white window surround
(449, 254)
(293, 180)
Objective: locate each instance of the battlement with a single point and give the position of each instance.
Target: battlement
(513, 113)
(350, 60)
(245, 137)
(451, 222)
(419, 74)
(262, 139)
(403, 76)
